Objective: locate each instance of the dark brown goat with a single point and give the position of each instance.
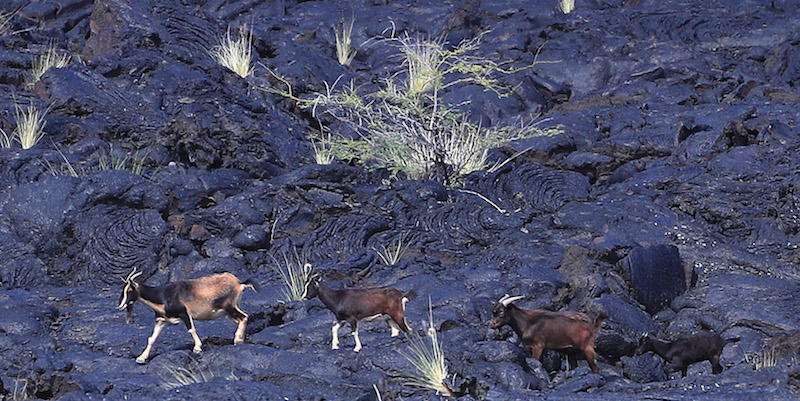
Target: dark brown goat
(704, 346)
(352, 305)
(204, 298)
(538, 329)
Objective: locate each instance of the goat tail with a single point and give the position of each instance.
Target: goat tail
(732, 340)
(250, 283)
(598, 320)
(410, 295)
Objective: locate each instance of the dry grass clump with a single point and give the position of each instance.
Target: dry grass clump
(30, 125)
(235, 54)
(395, 251)
(428, 359)
(134, 161)
(344, 48)
(5, 139)
(5, 22)
(175, 376)
(296, 275)
(51, 58)
(566, 6)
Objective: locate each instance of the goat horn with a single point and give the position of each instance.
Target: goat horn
(504, 298)
(509, 300)
(127, 279)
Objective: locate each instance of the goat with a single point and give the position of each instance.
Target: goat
(204, 298)
(354, 305)
(569, 332)
(703, 346)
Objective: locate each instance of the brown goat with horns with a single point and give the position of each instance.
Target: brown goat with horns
(204, 298)
(354, 305)
(539, 329)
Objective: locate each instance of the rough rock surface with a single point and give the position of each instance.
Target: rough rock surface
(671, 200)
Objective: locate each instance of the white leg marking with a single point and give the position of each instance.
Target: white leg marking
(404, 300)
(198, 345)
(358, 340)
(395, 327)
(152, 339)
(335, 332)
(238, 338)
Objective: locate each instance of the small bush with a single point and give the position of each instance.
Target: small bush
(235, 55)
(406, 126)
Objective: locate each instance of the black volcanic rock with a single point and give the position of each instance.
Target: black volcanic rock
(670, 201)
(656, 275)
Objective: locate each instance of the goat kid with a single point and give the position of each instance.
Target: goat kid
(354, 305)
(569, 332)
(687, 350)
(204, 298)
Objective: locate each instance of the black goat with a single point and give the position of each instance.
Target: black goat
(703, 346)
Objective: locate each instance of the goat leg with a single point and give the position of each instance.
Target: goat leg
(160, 323)
(335, 332)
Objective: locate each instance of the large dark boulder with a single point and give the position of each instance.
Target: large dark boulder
(656, 275)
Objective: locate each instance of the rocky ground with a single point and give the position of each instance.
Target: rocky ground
(671, 201)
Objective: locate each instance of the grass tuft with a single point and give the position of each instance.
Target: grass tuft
(50, 59)
(767, 358)
(30, 125)
(6, 140)
(104, 158)
(20, 392)
(296, 274)
(132, 162)
(395, 251)
(174, 376)
(323, 149)
(566, 6)
(344, 48)
(235, 55)
(428, 360)
(5, 21)
(424, 61)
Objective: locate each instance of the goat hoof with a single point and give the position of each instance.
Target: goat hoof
(197, 350)
(356, 349)
(141, 361)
